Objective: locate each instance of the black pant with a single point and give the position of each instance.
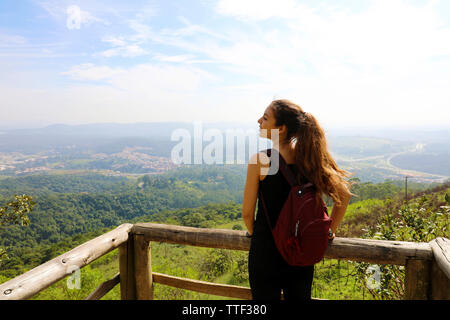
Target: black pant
(269, 273)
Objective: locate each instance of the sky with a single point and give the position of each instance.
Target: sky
(350, 63)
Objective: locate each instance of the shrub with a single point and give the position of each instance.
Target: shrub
(421, 221)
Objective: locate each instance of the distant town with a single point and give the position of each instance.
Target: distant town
(146, 148)
(129, 161)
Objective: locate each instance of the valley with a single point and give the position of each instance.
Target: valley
(136, 150)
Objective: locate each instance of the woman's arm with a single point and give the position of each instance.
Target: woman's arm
(251, 193)
(338, 211)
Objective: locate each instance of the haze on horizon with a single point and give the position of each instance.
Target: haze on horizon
(369, 64)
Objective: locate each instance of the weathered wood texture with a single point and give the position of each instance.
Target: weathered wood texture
(41, 277)
(440, 279)
(378, 251)
(417, 279)
(143, 268)
(441, 253)
(366, 250)
(202, 237)
(425, 262)
(126, 269)
(440, 284)
(104, 288)
(217, 289)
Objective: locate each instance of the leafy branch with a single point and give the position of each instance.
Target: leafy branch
(16, 212)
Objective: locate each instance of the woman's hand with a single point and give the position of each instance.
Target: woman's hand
(331, 234)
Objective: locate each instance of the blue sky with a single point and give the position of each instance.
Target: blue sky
(348, 62)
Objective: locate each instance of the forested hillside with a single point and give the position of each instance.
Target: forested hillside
(72, 209)
(71, 205)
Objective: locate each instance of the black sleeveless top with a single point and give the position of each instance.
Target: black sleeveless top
(275, 189)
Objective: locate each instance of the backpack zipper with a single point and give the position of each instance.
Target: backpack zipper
(296, 227)
(298, 221)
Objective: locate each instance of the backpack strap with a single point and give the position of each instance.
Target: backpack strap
(287, 173)
(261, 198)
(264, 207)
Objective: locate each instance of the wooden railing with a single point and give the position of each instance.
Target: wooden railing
(427, 264)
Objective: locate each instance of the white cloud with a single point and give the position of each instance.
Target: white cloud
(346, 66)
(13, 46)
(388, 34)
(144, 77)
(124, 51)
(130, 45)
(374, 65)
(11, 40)
(144, 92)
(115, 41)
(260, 9)
(178, 58)
(90, 72)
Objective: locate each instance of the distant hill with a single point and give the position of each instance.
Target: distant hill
(142, 148)
(432, 163)
(143, 129)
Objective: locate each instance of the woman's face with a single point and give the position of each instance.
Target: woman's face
(266, 123)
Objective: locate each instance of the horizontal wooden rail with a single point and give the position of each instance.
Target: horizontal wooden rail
(364, 250)
(201, 237)
(427, 264)
(217, 289)
(378, 251)
(104, 288)
(41, 277)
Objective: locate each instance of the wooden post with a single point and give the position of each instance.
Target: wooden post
(440, 284)
(126, 267)
(417, 279)
(143, 268)
(440, 279)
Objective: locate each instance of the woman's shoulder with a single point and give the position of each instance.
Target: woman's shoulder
(260, 158)
(259, 163)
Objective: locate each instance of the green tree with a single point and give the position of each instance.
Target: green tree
(240, 268)
(15, 212)
(216, 263)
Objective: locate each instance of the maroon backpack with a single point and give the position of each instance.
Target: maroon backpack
(301, 231)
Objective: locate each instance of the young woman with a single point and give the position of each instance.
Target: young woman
(302, 144)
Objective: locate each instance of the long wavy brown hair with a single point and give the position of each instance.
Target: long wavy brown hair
(312, 156)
